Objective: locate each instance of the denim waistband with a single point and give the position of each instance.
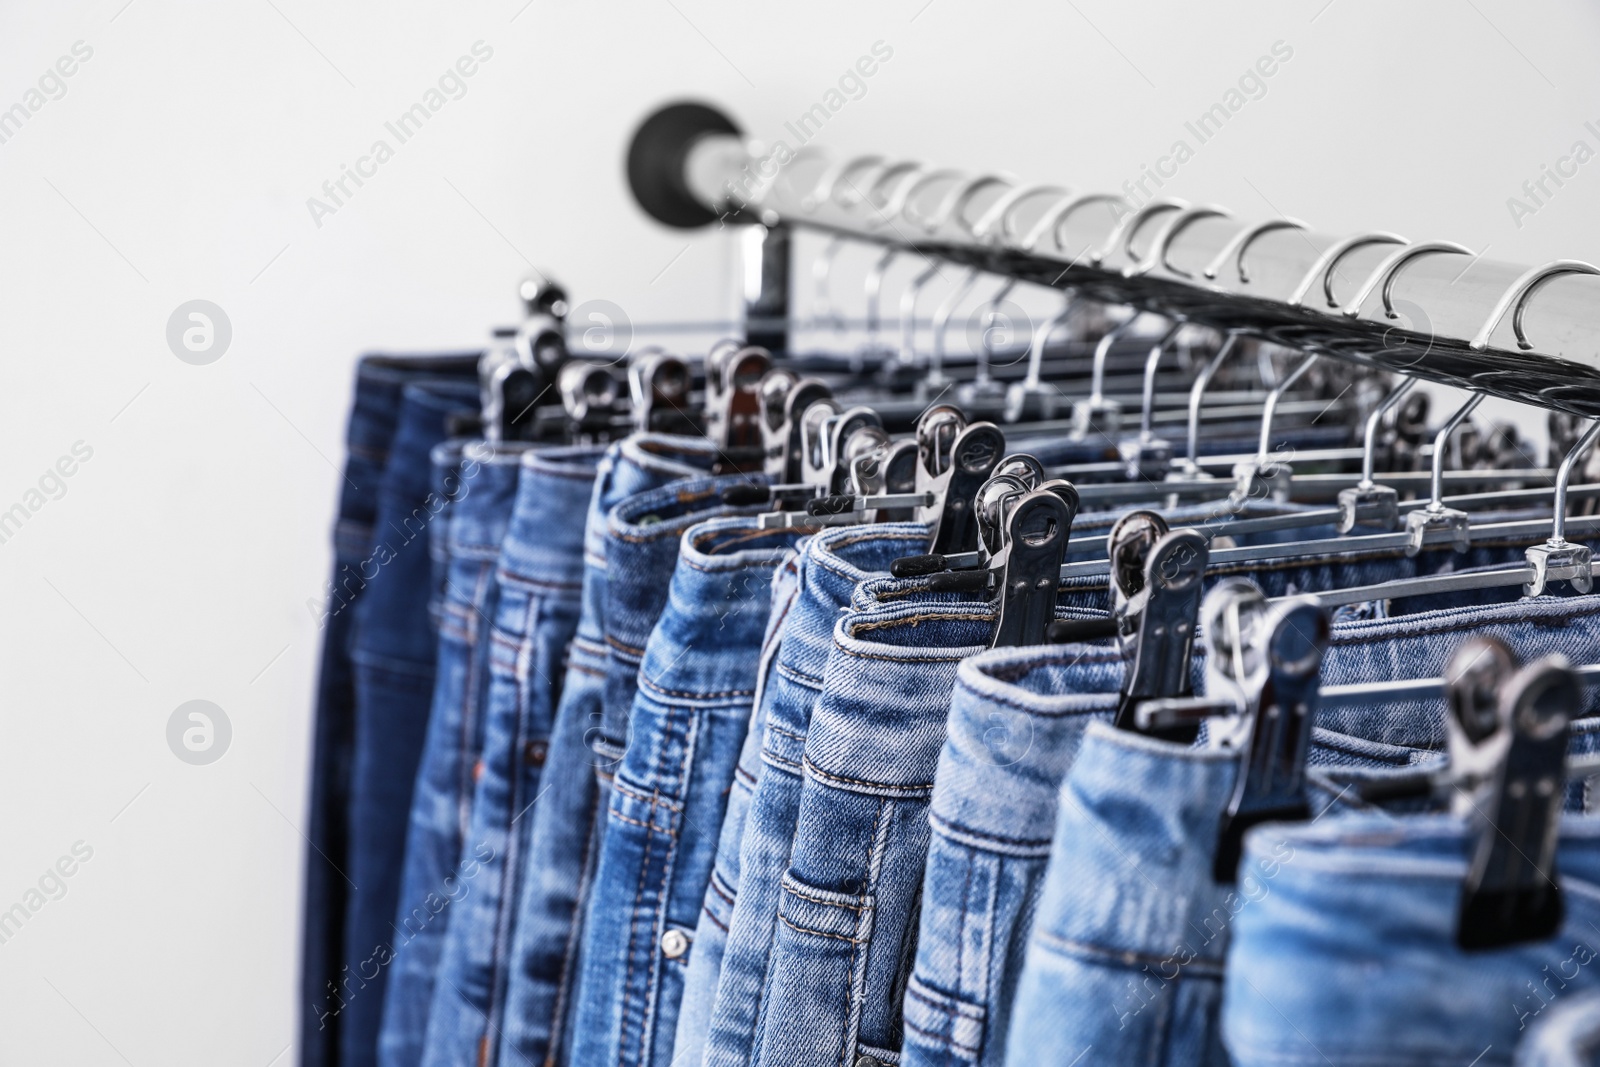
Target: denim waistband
(886, 694)
(721, 584)
(636, 464)
(642, 543)
(379, 381)
(481, 486)
(423, 409)
(543, 545)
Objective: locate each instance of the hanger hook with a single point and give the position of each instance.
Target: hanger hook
(1324, 267)
(1097, 378)
(1441, 442)
(1558, 530)
(1370, 438)
(955, 203)
(874, 290)
(1152, 361)
(1129, 225)
(1041, 337)
(1197, 392)
(1519, 293)
(908, 312)
(1240, 242)
(941, 321)
(827, 188)
(1269, 408)
(983, 378)
(998, 217)
(1163, 240)
(908, 210)
(1386, 272)
(1052, 221)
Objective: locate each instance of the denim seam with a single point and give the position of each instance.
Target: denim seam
(810, 681)
(714, 920)
(822, 933)
(646, 683)
(986, 843)
(511, 577)
(786, 733)
(857, 908)
(953, 1007)
(582, 669)
(721, 892)
(910, 791)
(653, 798)
(620, 646)
(960, 654)
(743, 775)
(767, 756)
(1126, 959)
(941, 1040)
(574, 936)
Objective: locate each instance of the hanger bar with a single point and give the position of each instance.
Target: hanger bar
(1357, 694)
(1140, 492)
(1530, 529)
(1527, 335)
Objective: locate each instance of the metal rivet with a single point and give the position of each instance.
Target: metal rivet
(868, 1061)
(534, 752)
(674, 943)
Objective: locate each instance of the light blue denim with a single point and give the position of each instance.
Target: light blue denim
(711, 927)
(559, 861)
(746, 886)
(694, 699)
(1348, 954)
(1137, 824)
(534, 618)
(433, 880)
(847, 913)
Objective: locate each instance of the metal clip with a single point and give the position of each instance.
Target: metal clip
(1156, 584)
(953, 462)
(1510, 894)
(734, 418)
(1027, 564)
(589, 393)
(1267, 657)
(659, 385)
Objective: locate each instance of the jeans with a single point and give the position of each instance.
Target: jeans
(1368, 905)
(374, 418)
(558, 866)
(1121, 835)
(1567, 1034)
(394, 653)
(534, 617)
(698, 644)
(711, 925)
(482, 484)
(847, 921)
(746, 886)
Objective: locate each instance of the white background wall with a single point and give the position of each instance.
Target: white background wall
(177, 166)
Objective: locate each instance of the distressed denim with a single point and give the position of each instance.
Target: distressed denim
(394, 651)
(558, 866)
(482, 482)
(1565, 1034)
(746, 887)
(538, 578)
(369, 437)
(667, 792)
(711, 926)
(1367, 905)
(1137, 825)
(846, 929)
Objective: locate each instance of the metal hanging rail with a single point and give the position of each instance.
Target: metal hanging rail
(1432, 309)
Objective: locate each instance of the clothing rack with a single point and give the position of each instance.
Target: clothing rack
(1528, 335)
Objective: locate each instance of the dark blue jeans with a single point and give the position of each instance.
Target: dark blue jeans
(370, 438)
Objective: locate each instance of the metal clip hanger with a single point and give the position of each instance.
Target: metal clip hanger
(1265, 657)
(1155, 602)
(590, 395)
(1035, 528)
(1508, 750)
(659, 386)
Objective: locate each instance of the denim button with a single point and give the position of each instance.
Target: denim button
(674, 943)
(534, 753)
(868, 1061)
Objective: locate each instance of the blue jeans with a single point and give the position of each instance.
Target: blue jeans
(434, 880)
(534, 617)
(556, 871)
(394, 652)
(846, 914)
(1123, 834)
(1368, 905)
(665, 795)
(369, 438)
(711, 931)
(746, 884)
